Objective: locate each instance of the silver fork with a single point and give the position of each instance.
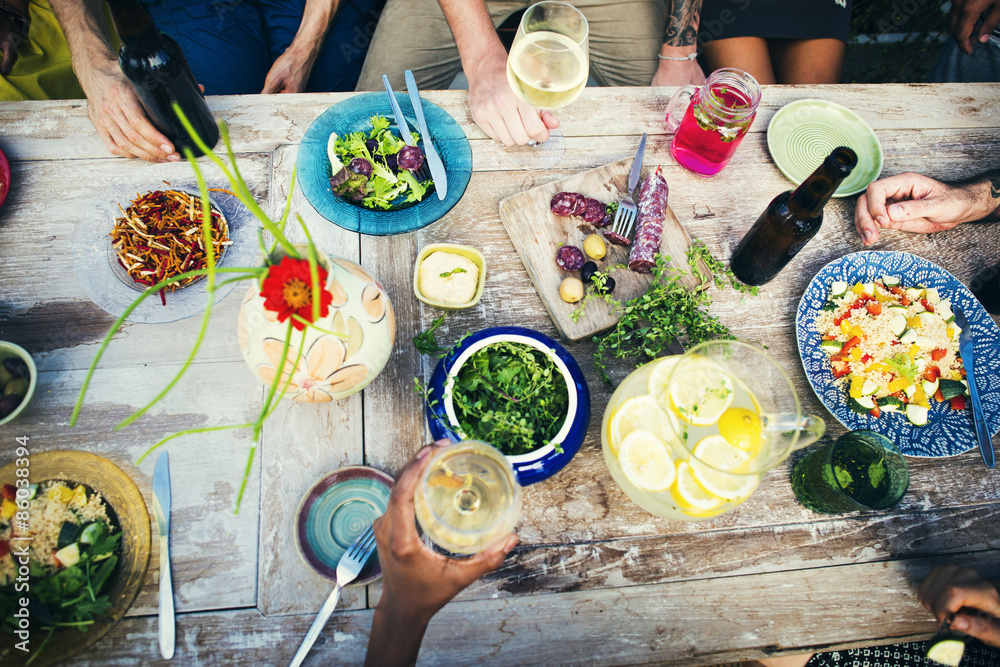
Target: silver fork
(625, 215)
(424, 173)
(348, 569)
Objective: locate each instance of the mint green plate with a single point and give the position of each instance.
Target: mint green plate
(801, 134)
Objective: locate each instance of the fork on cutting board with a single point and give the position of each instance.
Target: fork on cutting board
(625, 216)
(424, 173)
(348, 569)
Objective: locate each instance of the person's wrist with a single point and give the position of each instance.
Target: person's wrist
(670, 51)
(488, 65)
(401, 613)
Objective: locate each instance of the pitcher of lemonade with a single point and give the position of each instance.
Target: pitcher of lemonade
(689, 437)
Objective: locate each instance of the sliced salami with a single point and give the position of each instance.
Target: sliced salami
(614, 237)
(652, 209)
(605, 221)
(580, 204)
(570, 258)
(563, 203)
(595, 211)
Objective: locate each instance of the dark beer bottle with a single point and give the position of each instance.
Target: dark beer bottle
(791, 219)
(986, 287)
(155, 65)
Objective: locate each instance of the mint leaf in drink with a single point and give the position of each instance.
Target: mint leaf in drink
(876, 473)
(844, 477)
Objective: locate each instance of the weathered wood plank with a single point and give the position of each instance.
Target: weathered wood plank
(682, 623)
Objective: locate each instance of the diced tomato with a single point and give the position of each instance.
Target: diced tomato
(938, 396)
(8, 492)
(901, 396)
(932, 373)
(849, 344)
(897, 290)
(875, 412)
(938, 354)
(905, 300)
(840, 318)
(894, 342)
(928, 306)
(865, 358)
(958, 403)
(4, 548)
(961, 371)
(874, 308)
(837, 357)
(841, 368)
(829, 337)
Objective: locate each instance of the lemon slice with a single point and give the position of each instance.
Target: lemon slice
(657, 382)
(639, 413)
(947, 651)
(690, 496)
(645, 461)
(715, 455)
(741, 428)
(335, 163)
(700, 396)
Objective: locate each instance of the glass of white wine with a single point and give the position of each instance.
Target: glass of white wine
(549, 63)
(468, 498)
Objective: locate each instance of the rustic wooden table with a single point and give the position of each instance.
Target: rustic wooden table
(596, 579)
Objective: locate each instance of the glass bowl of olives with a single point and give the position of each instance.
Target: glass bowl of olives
(18, 377)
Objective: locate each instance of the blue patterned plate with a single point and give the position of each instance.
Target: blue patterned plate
(352, 115)
(948, 432)
(337, 509)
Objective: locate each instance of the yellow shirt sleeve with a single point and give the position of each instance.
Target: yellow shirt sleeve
(43, 70)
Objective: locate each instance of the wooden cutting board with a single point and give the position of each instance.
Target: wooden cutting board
(536, 233)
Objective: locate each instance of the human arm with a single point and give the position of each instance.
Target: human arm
(290, 71)
(964, 24)
(13, 31)
(416, 582)
(974, 602)
(679, 41)
(914, 203)
(495, 108)
(112, 104)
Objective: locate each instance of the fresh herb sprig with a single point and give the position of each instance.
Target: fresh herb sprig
(457, 269)
(425, 342)
(667, 311)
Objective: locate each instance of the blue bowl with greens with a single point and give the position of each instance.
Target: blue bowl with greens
(516, 389)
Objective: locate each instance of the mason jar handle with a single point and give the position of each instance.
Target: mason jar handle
(810, 427)
(673, 123)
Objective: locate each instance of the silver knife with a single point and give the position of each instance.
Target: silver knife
(633, 175)
(404, 129)
(965, 347)
(438, 172)
(161, 510)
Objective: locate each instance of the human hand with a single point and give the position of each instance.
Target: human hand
(119, 118)
(678, 73)
(289, 73)
(416, 581)
(913, 203)
(499, 112)
(948, 589)
(964, 23)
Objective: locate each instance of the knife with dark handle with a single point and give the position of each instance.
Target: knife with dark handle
(438, 172)
(161, 510)
(966, 348)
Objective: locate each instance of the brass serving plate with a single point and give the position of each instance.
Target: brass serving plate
(129, 507)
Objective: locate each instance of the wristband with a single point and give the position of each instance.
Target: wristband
(690, 56)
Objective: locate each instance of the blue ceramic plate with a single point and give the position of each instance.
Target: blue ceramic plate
(948, 432)
(352, 115)
(334, 512)
(541, 463)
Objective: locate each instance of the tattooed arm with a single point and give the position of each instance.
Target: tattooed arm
(680, 40)
(915, 203)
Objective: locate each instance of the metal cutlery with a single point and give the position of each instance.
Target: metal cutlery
(625, 215)
(423, 173)
(348, 569)
(965, 347)
(433, 159)
(161, 510)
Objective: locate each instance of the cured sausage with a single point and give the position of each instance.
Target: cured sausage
(652, 209)
(562, 203)
(605, 221)
(614, 237)
(595, 211)
(580, 204)
(570, 258)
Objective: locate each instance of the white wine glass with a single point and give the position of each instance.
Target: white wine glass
(468, 498)
(549, 63)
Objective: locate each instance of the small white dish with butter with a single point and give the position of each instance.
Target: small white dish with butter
(449, 276)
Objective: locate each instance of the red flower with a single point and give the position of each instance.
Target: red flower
(287, 291)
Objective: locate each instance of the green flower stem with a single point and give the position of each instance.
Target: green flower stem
(190, 431)
(240, 188)
(259, 424)
(313, 270)
(246, 478)
(128, 311)
(286, 212)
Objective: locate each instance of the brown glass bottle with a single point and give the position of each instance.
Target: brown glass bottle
(791, 219)
(155, 65)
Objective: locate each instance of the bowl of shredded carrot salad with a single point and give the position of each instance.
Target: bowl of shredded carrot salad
(159, 236)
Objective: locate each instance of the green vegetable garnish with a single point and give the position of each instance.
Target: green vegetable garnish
(904, 366)
(457, 269)
(425, 341)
